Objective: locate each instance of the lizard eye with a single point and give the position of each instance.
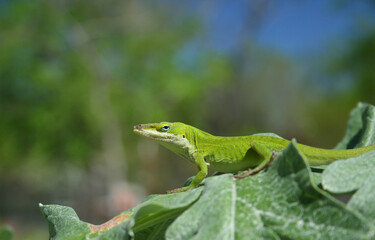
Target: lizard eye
(164, 128)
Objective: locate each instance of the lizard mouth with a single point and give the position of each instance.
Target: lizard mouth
(139, 130)
(151, 133)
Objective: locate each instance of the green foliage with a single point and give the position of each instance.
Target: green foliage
(44, 89)
(61, 83)
(75, 78)
(148, 218)
(6, 233)
(363, 200)
(349, 175)
(360, 129)
(72, 74)
(279, 203)
(356, 175)
(358, 61)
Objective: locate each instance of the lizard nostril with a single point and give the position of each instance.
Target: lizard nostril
(139, 127)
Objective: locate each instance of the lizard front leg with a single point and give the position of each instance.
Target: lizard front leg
(202, 172)
(264, 153)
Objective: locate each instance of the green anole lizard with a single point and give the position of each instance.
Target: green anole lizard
(231, 154)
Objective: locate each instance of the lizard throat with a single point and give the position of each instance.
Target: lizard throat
(176, 143)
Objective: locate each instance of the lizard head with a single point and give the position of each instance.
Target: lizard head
(166, 132)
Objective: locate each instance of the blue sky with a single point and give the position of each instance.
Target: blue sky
(293, 27)
(304, 25)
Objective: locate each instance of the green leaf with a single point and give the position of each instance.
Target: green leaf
(152, 214)
(161, 208)
(281, 203)
(351, 175)
(356, 174)
(363, 200)
(360, 131)
(63, 222)
(6, 232)
(316, 178)
(154, 233)
(348, 175)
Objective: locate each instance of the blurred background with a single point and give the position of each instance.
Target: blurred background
(75, 76)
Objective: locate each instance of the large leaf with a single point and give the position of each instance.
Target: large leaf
(348, 175)
(351, 175)
(162, 208)
(360, 131)
(64, 223)
(363, 200)
(280, 203)
(356, 175)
